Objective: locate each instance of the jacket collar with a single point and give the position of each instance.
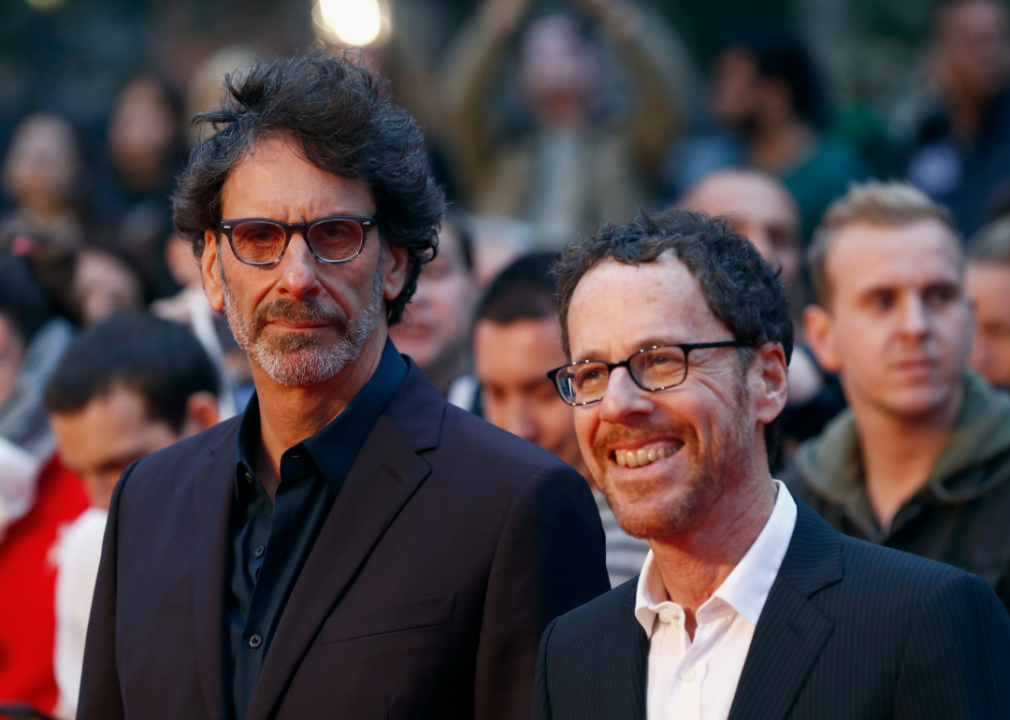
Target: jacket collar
(791, 626)
(385, 475)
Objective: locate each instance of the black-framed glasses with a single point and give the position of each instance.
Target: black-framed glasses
(332, 240)
(655, 368)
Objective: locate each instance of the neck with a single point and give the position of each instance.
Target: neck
(779, 145)
(899, 452)
(966, 113)
(695, 563)
(289, 415)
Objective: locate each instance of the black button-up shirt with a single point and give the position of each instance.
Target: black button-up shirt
(270, 541)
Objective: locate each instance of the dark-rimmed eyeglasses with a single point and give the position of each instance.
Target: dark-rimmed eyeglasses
(659, 367)
(333, 240)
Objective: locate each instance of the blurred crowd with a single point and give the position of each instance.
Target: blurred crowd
(543, 120)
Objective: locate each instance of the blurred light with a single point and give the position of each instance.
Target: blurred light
(352, 22)
(45, 5)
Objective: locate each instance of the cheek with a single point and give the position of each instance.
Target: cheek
(587, 421)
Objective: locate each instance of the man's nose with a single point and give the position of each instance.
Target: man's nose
(623, 399)
(298, 270)
(915, 321)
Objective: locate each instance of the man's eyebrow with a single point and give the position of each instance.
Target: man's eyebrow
(641, 345)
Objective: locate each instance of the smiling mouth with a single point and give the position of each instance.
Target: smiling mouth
(644, 456)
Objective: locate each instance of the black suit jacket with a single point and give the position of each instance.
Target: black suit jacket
(850, 631)
(448, 550)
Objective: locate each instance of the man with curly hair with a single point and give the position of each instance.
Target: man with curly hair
(351, 546)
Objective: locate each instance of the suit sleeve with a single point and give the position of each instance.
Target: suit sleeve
(957, 660)
(550, 559)
(101, 696)
(541, 695)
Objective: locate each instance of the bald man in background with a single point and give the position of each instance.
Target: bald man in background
(761, 208)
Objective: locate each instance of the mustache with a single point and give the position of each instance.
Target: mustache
(624, 433)
(305, 311)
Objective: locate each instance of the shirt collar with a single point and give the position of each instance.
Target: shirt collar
(334, 448)
(747, 586)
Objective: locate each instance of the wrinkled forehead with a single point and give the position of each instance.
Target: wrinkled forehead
(619, 308)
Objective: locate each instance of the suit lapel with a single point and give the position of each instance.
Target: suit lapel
(791, 631)
(213, 496)
(383, 478)
(624, 658)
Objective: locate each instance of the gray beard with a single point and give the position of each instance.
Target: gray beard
(301, 360)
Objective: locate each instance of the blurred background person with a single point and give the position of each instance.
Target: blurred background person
(497, 242)
(37, 496)
(190, 307)
(42, 178)
(921, 460)
(145, 151)
(768, 95)
(105, 281)
(761, 208)
(32, 341)
(961, 149)
(517, 339)
(987, 278)
(571, 162)
(436, 327)
(128, 386)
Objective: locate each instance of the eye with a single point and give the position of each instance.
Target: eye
(939, 295)
(883, 299)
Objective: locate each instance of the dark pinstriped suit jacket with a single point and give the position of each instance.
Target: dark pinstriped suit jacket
(850, 630)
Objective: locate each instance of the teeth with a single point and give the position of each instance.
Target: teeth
(643, 457)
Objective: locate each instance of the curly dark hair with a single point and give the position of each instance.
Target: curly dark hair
(743, 291)
(344, 122)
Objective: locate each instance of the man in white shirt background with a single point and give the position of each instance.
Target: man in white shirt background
(748, 605)
(128, 386)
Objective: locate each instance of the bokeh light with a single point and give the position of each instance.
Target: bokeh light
(356, 23)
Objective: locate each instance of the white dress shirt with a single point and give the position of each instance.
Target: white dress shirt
(696, 680)
(77, 553)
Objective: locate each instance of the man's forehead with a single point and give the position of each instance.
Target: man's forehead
(746, 197)
(864, 254)
(273, 175)
(619, 306)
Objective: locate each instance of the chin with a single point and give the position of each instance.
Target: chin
(918, 401)
(658, 512)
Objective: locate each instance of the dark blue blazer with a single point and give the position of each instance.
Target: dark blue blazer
(850, 631)
(448, 550)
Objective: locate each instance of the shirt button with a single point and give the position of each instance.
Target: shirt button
(688, 675)
(255, 641)
(258, 552)
(666, 616)
(248, 478)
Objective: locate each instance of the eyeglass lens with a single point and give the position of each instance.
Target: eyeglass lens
(653, 369)
(259, 241)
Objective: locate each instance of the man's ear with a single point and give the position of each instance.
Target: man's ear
(773, 381)
(201, 413)
(209, 270)
(394, 270)
(819, 331)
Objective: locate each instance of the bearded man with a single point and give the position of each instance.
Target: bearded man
(748, 604)
(351, 546)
